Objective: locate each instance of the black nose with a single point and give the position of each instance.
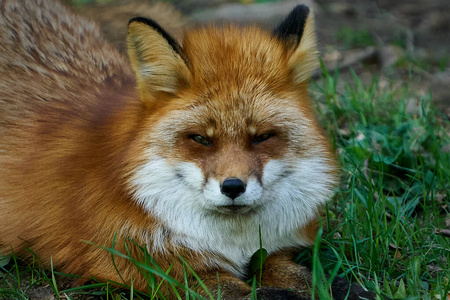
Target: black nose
(232, 187)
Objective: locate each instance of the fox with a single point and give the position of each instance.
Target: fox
(198, 150)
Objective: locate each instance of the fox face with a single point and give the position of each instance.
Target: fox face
(232, 143)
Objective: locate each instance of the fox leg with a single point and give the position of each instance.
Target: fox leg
(280, 271)
(227, 285)
(232, 288)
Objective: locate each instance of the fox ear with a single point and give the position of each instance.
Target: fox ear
(297, 33)
(156, 59)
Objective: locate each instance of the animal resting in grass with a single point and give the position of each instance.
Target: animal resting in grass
(187, 151)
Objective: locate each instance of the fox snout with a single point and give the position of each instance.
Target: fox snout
(233, 194)
(232, 187)
(238, 198)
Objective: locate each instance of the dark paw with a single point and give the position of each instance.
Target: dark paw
(276, 294)
(342, 289)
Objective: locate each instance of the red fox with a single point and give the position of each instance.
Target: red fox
(188, 151)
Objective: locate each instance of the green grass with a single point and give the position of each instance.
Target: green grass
(386, 219)
(383, 229)
(350, 38)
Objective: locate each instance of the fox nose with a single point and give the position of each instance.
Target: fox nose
(232, 187)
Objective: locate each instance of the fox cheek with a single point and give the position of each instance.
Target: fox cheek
(273, 172)
(191, 175)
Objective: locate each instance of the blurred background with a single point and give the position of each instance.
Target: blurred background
(397, 41)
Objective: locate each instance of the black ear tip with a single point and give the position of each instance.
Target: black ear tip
(136, 19)
(294, 23)
(300, 10)
(159, 29)
(146, 21)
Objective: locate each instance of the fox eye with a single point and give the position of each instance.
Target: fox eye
(201, 140)
(261, 138)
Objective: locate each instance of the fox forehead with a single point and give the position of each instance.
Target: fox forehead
(229, 56)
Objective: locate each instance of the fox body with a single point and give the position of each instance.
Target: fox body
(188, 151)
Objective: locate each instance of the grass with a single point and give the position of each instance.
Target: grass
(393, 204)
(385, 229)
(351, 38)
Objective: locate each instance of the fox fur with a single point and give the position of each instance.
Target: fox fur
(113, 17)
(96, 149)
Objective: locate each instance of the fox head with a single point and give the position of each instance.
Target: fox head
(231, 137)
